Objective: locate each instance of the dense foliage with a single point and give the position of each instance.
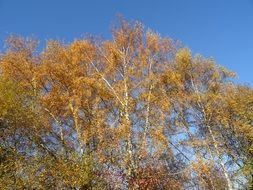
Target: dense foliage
(134, 112)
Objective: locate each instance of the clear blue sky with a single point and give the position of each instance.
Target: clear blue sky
(222, 29)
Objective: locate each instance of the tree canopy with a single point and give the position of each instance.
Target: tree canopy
(137, 111)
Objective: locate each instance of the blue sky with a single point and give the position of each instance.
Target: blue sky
(222, 29)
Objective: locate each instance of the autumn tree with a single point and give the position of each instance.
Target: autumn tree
(137, 111)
